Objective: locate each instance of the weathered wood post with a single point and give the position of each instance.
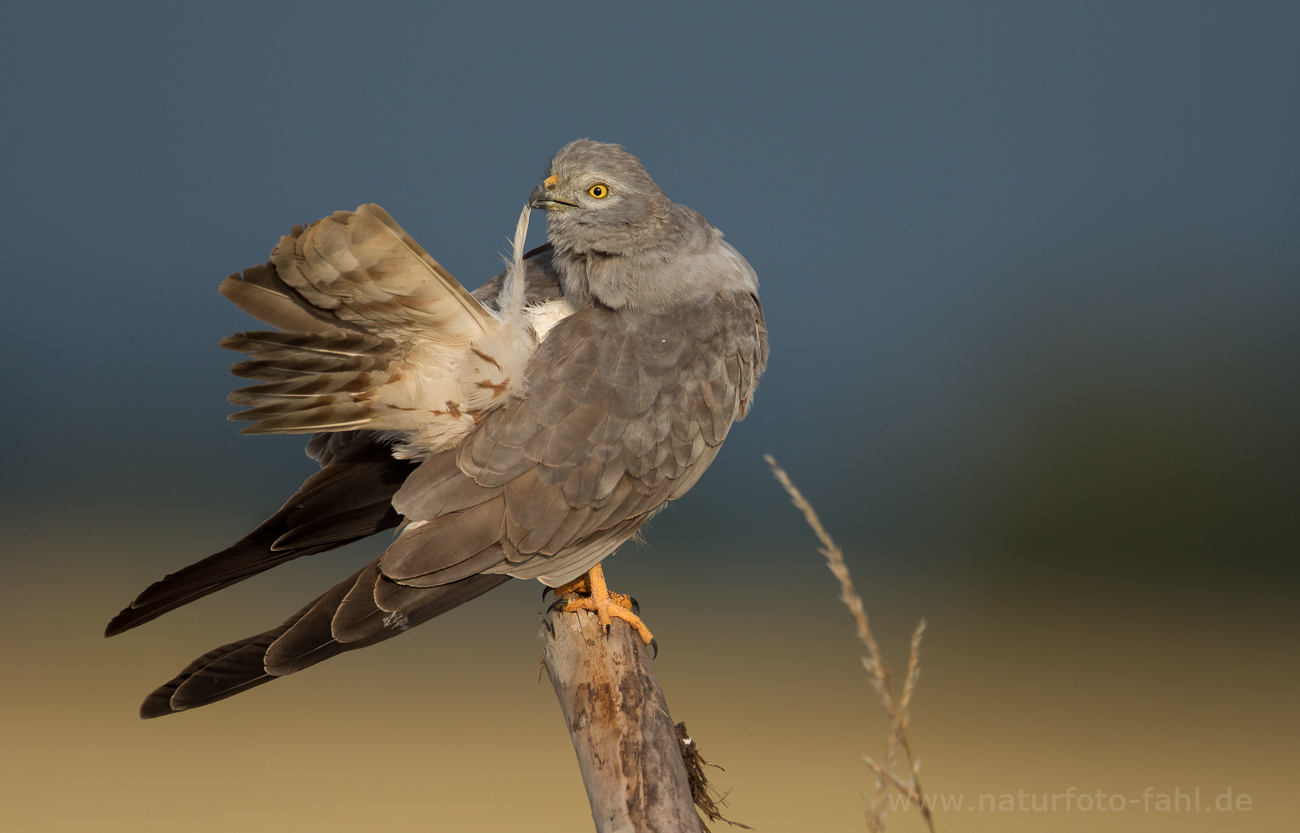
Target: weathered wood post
(627, 745)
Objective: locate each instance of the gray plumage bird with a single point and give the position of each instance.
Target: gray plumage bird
(525, 430)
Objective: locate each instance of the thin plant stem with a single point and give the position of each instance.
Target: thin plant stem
(896, 709)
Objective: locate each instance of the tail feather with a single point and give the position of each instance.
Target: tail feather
(218, 674)
(336, 530)
(347, 500)
(305, 639)
(237, 563)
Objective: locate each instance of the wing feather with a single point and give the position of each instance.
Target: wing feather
(396, 343)
(606, 436)
(347, 500)
(260, 293)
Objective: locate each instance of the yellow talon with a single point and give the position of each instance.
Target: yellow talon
(590, 593)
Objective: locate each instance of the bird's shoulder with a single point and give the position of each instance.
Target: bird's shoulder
(626, 390)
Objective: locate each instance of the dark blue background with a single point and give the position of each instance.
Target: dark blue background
(1032, 271)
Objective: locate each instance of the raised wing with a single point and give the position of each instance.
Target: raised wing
(361, 268)
(379, 337)
(351, 497)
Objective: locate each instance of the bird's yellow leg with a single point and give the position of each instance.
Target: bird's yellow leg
(590, 593)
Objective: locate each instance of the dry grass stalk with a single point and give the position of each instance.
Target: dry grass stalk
(897, 710)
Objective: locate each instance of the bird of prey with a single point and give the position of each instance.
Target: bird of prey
(524, 430)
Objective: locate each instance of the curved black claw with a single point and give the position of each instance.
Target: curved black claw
(654, 649)
(546, 590)
(556, 605)
(636, 608)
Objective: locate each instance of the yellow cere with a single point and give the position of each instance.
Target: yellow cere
(550, 181)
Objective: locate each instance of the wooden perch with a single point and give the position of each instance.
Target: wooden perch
(627, 744)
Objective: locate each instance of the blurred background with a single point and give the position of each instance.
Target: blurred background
(1032, 279)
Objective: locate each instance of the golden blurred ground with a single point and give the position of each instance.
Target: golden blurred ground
(448, 728)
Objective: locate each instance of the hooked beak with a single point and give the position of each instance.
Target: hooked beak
(543, 198)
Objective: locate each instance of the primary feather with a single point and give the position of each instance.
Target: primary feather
(398, 345)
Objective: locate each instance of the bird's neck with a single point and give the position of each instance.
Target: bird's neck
(626, 270)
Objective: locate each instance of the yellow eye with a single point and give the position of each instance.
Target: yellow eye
(600, 190)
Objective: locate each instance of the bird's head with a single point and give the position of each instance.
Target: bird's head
(600, 198)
